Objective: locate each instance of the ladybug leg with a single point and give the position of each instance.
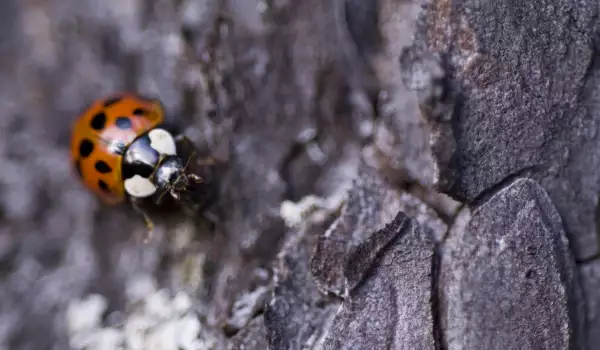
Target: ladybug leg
(197, 179)
(149, 224)
(174, 194)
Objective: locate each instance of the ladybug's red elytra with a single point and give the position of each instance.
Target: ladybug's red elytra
(124, 152)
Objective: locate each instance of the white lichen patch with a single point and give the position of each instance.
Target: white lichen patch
(84, 315)
(155, 320)
(246, 307)
(311, 207)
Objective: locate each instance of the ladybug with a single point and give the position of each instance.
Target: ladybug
(123, 151)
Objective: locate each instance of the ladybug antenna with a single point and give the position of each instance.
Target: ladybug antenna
(188, 161)
(193, 177)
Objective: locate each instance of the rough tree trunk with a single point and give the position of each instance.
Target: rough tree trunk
(399, 175)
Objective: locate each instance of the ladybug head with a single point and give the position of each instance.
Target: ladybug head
(171, 176)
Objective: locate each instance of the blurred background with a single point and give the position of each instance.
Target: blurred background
(292, 94)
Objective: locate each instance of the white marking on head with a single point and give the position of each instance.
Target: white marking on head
(162, 141)
(139, 186)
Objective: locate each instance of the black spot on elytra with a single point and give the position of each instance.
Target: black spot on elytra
(140, 111)
(123, 123)
(111, 101)
(86, 147)
(103, 186)
(102, 167)
(78, 168)
(98, 121)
